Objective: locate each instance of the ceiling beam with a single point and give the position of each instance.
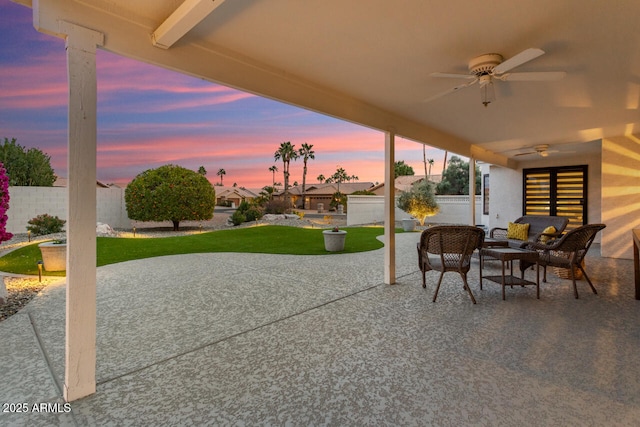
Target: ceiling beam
(182, 20)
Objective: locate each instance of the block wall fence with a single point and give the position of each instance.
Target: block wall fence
(370, 209)
(28, 202)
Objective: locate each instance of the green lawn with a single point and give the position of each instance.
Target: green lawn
(270, 239)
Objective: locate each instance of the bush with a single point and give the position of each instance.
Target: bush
(420, 201)
(45, 224)
(277, 207)
(338, 198)
(4, 204)
(238, 218)
(170, 193)
(251, 211)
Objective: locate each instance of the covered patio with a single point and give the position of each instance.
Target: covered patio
(372, 66)
(180, 342)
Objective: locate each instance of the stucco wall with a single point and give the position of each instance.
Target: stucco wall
(370, 209)
(28, 202)
(620, 194)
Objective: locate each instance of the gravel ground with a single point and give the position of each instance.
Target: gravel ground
(21, 290)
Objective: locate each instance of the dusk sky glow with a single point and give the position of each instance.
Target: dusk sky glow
(148, 117)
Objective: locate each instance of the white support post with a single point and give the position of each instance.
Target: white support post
(80, 345)
(472, 191)
(389, 210)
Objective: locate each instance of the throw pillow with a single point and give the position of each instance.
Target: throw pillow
(549, 229)
(517, 231)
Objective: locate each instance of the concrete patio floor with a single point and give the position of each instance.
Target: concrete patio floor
(248, 339)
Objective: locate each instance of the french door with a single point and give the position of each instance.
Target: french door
(559, 191)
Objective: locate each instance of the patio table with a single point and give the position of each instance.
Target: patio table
(507, 255)
(492, 243)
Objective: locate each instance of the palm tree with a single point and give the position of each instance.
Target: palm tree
(321, 178)
(444, 163)
(424, 159)
(340, 176)
(306, 153)
(286, 152)
(430, 161)
(273, 169)
(267, 192)
(221, 173)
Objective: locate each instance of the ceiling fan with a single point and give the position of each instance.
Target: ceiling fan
(541, 150)
(486, 68)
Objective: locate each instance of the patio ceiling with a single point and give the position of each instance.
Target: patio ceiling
(370, 62)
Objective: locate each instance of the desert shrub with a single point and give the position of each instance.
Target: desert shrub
(276, 207)
(238, 218)
(254, 213)
(251, 211)
(45, 224)
(243, 206)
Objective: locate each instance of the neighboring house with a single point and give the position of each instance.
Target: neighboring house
(323, 193)
(404, 183)
(233, 196)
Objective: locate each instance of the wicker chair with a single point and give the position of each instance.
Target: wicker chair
(567, 252)
(448, 248)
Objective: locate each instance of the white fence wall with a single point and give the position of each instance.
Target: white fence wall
(370, 209)
(28, 202)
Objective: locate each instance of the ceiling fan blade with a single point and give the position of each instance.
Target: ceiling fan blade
(525, 154)
(522, 57)
(453, 76)
(453, 89)
(542, 76)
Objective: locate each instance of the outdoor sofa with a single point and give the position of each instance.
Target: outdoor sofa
(530, 228)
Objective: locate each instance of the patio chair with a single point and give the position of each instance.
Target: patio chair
(567, 252)
(448, 248)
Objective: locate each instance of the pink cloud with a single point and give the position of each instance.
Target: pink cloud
(33, 86)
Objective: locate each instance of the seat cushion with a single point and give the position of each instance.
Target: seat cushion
(517, 231)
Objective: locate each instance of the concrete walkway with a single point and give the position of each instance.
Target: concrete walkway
(249, 339)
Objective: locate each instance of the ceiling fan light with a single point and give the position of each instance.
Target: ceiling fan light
(487, 94)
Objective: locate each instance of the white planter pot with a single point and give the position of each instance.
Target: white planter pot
(334, 240)
(54, 256)
(409, 224)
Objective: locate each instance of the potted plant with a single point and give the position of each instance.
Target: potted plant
(54, 255)
(334, 239)
(408, 224)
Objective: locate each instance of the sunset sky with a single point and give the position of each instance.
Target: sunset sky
(148, 117)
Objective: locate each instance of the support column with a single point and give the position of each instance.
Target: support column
(472, 191)
(389, 210)
(80, 345)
